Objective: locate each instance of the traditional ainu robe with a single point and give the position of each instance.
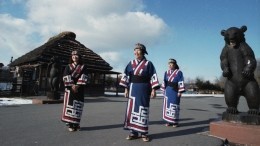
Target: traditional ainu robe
(140, 78)
(172, 85)
(74, 102)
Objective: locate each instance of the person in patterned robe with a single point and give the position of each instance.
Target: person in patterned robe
(173, 87)
(140, 82)
(75, 79)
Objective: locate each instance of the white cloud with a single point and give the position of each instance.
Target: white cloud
(119, 31)
(117, 58)
(112, 56)
(107, 27)
(15, 37)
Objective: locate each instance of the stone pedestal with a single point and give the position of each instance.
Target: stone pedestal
(53, 95)
(236, 132)
(240, 128)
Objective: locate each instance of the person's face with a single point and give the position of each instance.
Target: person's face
(75, 58)
(171, 66)
(138, 54)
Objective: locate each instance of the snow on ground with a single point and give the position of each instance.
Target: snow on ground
(17, 101)
(14, 101)
(160, 94)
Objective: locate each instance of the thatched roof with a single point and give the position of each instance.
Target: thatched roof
(61, 46)
(1, 65)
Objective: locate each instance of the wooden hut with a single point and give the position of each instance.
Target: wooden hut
(32, 69)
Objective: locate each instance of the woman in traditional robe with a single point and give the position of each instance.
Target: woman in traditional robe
(140, 82)
(173, 87)
(75, 79)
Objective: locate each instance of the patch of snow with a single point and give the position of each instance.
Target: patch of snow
(14, 101)
(160, 94)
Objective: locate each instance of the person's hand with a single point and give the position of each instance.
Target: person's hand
(126, 93)
(153, 93)
(75, 88)
(179, 94)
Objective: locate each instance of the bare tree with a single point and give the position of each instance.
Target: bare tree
(220, 81)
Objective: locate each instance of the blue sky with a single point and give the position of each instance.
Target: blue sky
(188, 31)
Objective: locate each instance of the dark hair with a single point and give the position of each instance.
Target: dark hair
(80, 60)
(142, 48)
(177, 66)
(173, 61)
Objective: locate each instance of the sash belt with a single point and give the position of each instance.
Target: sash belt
(174, 85)
(140, 79)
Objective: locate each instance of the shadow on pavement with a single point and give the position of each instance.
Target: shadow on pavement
(178, 133)
(101, 127)
(101, 99)
(218, 106)
(122, 125)
(163, 122)
(184, 131)
(194, 109)
(196, 123)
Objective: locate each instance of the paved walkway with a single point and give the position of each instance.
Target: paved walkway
(39, 124)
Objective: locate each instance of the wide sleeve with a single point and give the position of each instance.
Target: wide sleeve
(163, 86)
(125, 77)
(181, 87)
(154, 78)
(67, 77)
(83, 77)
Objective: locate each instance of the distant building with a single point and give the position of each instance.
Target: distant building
(5, 75)
(191, 88)
(5, 79)
(31, 70)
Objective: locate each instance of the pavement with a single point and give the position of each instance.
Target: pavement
(102, 123)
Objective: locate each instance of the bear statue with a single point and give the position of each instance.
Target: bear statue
(54, 72)
(238, 64)
(54, 76)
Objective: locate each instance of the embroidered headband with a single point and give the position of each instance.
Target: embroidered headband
(172, 61)
(75, 53)
(141, 47)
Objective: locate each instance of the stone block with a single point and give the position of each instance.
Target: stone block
(236, 132)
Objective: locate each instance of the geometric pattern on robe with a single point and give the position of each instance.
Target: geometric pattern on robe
(137, 111)
(171, 101)
(73, 102)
